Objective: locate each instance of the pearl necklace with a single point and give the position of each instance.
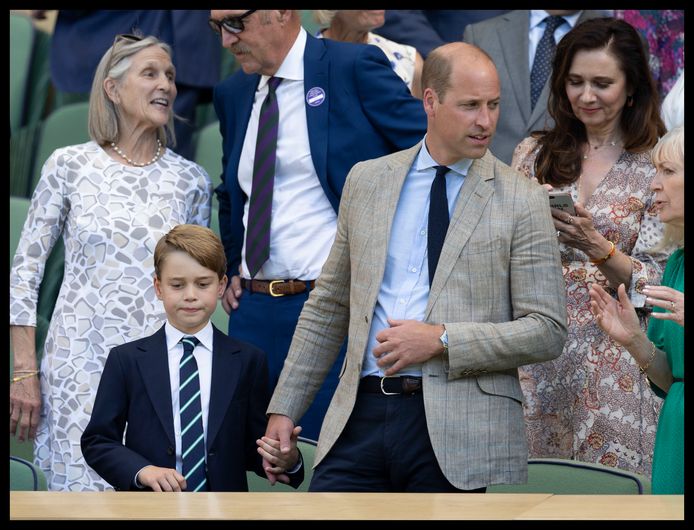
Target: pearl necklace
(613, 143)
(137, 164)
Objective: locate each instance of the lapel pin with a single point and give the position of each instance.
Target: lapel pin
(315, 96)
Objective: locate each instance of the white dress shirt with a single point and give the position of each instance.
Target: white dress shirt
(303, 220)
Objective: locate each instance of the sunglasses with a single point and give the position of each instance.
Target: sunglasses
(230, 24)
(126, 36)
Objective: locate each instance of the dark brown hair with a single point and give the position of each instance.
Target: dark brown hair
(199, 242)
(559, 158)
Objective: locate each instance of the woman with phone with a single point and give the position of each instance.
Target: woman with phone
(660, 353)
(591, 403)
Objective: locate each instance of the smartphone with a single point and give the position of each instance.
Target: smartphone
(562, 201)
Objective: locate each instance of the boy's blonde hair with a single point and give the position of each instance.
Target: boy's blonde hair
(199, 242)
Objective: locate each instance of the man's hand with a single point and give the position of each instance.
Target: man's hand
(279, 462)
(281, 429)
(407, 342)
(161, 479)
(230, 298)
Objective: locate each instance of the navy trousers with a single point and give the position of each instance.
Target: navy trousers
(385, 447)
(268, 323)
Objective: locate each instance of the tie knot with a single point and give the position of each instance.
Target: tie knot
(441, 171)
(273, 83)
(189, 344)
(552, 23)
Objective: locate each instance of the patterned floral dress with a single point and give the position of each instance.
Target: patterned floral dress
(591, 403)
(110, 216)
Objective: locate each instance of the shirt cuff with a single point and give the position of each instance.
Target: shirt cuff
(297, 466)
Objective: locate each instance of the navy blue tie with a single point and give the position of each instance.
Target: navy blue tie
(542, 64)
(438, 219)
(192, 434)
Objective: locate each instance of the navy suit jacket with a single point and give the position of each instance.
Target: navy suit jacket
(135, 389)
(367, 112)
(81, 37)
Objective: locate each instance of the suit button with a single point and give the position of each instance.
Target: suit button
(211, 453)
(170, 451)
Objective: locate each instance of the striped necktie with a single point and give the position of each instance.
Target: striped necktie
(260, 207)
(192, 434)
(438, 219)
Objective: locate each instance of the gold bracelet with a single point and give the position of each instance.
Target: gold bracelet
(600, 261)
(23, 377)
(644, 369)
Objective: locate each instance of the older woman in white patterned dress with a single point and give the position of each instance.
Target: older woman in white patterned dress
(111, 199)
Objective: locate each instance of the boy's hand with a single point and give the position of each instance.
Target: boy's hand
(277, 461)
(161, 479)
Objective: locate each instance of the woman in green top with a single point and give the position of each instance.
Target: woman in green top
(660, 353)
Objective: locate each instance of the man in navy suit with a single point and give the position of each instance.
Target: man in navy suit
(339, 103)
(142, 388)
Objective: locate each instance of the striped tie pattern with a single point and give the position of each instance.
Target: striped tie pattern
(438, 220)
(192, 435)
(260, 207)
(542, 63)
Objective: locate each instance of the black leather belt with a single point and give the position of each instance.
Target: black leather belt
(278, 287)
(390, 386)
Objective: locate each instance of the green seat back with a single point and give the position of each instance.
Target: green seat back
(308, 451)
(19, 207)
(22, 36)
(571, 477)
(64, 126)
(208, 151)
(309, 23)
(25, 476)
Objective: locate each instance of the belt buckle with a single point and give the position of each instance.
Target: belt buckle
(272, 293)
(383, 390)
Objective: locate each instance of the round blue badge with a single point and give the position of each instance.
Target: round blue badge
(315, 96)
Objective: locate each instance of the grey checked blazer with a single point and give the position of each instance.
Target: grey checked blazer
(505, 38)
(498, 289)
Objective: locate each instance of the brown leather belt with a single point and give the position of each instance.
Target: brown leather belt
(390, 386)
(278, 287)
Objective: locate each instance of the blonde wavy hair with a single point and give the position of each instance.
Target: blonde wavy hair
(670, 148)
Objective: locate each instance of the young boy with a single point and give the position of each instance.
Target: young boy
(193, 419)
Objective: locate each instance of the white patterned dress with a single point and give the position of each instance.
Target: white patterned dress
(110, 216)
(591, 403)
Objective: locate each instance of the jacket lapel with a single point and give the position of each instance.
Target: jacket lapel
(386, 197)
(472, 200)
(316, 65)
(224, 380)
(153, 364)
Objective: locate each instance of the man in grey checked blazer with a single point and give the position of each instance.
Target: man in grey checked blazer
(496, 302)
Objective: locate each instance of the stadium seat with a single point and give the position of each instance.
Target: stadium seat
(571, 477)
(308, 451)
(22, 35)
(65, 126)
(208, 151)
(25, 476)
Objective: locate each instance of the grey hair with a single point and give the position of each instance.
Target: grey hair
(104, 120)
